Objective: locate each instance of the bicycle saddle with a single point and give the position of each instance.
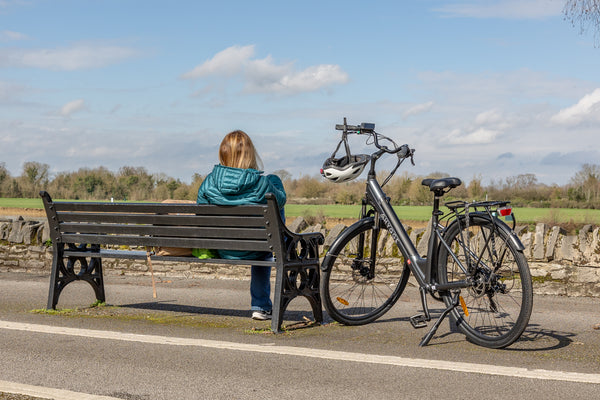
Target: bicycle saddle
(441, 184)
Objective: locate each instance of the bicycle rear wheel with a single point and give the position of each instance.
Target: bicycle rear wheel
(362, 278)
(495, 310)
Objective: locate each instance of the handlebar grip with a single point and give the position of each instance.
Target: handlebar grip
(404, 151)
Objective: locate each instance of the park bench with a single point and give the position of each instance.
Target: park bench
(83, 233)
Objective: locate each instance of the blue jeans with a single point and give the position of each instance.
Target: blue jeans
(260, 287)
(260, 283)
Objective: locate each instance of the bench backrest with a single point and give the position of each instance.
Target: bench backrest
(247, 227)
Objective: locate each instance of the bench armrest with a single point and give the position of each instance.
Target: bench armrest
(301, 247)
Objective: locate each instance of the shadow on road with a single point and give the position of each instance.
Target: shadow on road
(537, 338)
(165, 305)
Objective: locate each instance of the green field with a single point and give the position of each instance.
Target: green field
(423, 213)
(21, 203)
(410, 213)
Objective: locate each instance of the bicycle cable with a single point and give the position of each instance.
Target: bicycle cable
(400, 159)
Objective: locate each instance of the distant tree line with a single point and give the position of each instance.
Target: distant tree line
(524, 190)
(135, 183)
(128, 183)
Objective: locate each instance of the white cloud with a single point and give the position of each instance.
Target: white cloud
(508, 9)
(418, 109)
(285, 80)
(8, 36)
(72, 107)
(489, 117)
(81, 56)
(225, 63)
(587, 108)
(484, 129)
(265, 75)
(495, 120)
(479, 136)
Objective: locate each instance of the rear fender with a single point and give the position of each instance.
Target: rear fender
(483, 217)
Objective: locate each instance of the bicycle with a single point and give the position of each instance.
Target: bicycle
(474, 261)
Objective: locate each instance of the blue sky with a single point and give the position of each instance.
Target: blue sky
(486, 89)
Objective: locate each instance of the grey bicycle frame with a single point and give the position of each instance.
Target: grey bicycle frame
(425, 270)
(419, 266)
(422, 268)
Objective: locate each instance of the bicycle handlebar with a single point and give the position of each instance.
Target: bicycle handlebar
(369, 128)
(402, 152)
(364, 127)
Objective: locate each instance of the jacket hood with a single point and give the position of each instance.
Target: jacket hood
(235, 186)
(233, 181)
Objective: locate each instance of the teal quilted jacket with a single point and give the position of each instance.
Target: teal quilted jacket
(236, 186)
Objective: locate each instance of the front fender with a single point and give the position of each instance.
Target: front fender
(336, 246)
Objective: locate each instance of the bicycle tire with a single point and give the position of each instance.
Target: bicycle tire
(352, 296)
(495, 311)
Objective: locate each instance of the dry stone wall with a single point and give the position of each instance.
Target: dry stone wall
(561, 264)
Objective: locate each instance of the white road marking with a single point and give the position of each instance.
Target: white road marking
(453, 366)
(48, 393)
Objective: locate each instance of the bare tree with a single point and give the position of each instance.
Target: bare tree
(3, 172)
(283, 174)
(587, 182)
(586, 14)
(35, 172)
(34, 177)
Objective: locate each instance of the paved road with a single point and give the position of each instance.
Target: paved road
(196, 341)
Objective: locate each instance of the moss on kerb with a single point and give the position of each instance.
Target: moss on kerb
(545, 279)
(100, 310)
(63, 311)
(104, 311)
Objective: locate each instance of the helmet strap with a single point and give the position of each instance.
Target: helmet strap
(337, 148)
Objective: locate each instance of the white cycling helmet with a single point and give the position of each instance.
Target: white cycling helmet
(344, 169)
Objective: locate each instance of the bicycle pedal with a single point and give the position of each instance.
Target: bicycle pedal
(418, 321)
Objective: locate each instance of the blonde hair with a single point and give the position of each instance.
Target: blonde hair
(238, 151)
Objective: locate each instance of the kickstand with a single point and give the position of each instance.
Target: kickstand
(434, 328)
(420, 320)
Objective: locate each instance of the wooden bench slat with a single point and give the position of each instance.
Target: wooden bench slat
(143, 255)
(168, 231)
(151, 219)
(159, 208)
(152, 241)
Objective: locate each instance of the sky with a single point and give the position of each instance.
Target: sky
(484, 89)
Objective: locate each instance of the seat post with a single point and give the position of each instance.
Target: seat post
(435, 213)
(431, 272)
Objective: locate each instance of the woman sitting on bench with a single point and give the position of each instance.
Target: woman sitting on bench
(238, 180)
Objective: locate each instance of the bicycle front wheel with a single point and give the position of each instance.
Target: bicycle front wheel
(363, 275)
(494, 311)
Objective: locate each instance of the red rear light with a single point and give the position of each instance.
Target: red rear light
(506, 211)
